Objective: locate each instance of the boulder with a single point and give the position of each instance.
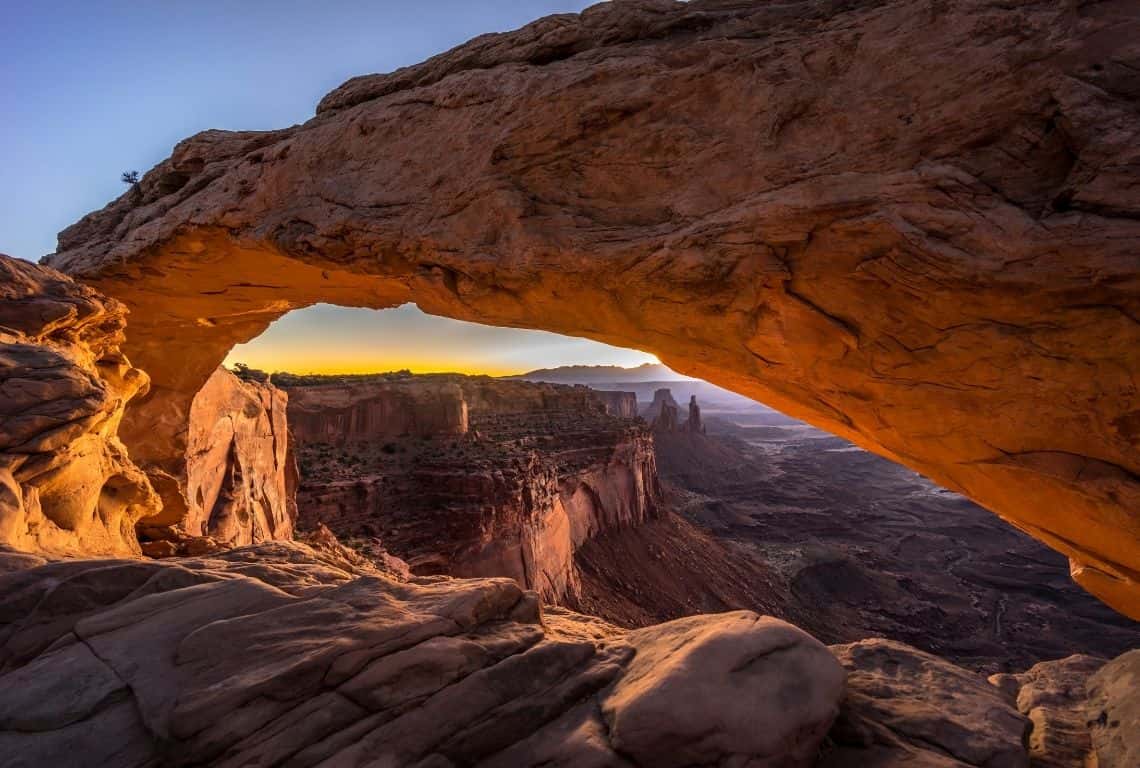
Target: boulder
(904, 707)
(777, 686)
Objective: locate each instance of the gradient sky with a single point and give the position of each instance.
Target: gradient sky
(91, 89)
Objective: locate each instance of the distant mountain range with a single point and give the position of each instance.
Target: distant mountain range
(646, 379)
(603, 374)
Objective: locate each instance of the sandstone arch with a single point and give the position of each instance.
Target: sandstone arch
(914, 224)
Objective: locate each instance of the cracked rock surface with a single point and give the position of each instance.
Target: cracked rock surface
(279, 654)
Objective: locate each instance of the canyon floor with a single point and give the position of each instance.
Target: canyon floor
(856, 546)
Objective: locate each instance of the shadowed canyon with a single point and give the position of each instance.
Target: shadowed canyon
(912, 227)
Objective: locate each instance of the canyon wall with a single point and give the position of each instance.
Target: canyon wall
(541, 469)
(621, 404)
(67, 485)
(912, 224)
(351, 411)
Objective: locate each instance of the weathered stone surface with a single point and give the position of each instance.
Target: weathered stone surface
(1085, 711)
(238, 462)
(689, 676)
(280, 654)
(1114, 711)
(1053, 696)
(905, 707)
(67, 485)
(783, 199)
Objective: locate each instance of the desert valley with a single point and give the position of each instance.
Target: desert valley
(864, 491)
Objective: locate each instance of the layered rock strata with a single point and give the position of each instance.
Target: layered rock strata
(358, 408)
(664, 414)
(620, 404)
(541, 470)
(284, 655)
(777, 198)
(67, 485)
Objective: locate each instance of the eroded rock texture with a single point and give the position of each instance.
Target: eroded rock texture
(621, 404)
(913, 224)
(238, 482)
(904, 707)
(1085, 711)
(537, 470)
(67, 485)
(1114, 711)
(283, 655)
(1054, 696)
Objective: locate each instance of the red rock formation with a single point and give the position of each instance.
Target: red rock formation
(694, 423)
(543, 469)
(663, 414)
(1054, 697)
(620, 404)
(67, 486)
(237, 462)
(237, 488)
(906, 707)
(783, 199)
(1085, 710)
(351, 411)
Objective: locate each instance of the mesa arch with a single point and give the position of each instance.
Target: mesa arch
(913, 224)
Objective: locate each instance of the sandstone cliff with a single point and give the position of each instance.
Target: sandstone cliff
(67, 486)
(664, 414)
(541, 470)
(620, 404)
(910, 223)
(356, 408)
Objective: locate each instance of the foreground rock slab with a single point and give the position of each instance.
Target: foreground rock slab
(780, 198)
(907, 707)
(284, 655)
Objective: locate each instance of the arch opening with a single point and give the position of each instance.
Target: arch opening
(802, 525)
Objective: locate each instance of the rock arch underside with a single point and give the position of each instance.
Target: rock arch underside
(914, 224)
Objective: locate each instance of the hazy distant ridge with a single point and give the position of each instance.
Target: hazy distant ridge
(602, 374)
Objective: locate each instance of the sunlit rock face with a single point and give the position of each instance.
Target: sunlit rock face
(622, 404)
(237, 484)
(913, 225)
(352, 411)
(241, 474)
(537, 470)
(67, 486)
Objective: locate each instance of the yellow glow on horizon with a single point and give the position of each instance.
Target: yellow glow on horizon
(303, 365)
(338, 341)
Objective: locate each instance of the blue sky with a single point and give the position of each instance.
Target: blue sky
(91, 89)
